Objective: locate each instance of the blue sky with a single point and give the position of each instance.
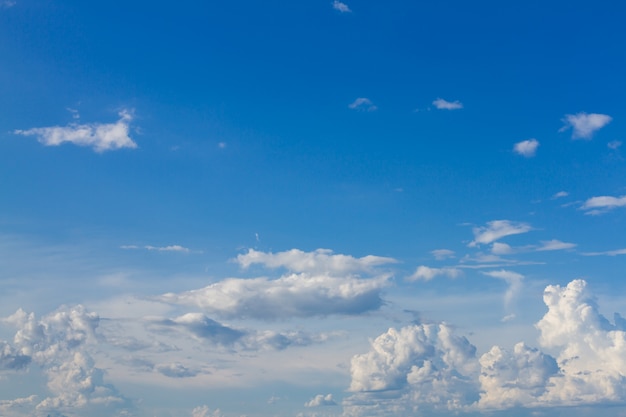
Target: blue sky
(312, 208)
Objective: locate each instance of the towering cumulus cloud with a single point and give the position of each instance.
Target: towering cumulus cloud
(420, 369)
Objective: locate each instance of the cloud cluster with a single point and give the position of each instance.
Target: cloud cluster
(58, 343)
(427, 367)
(320, 401)
(99, 136)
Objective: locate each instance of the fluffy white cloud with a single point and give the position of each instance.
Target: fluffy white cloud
(362, 103)
(301, 295)
(426, 273)
(584, 125)
(342, 7)
(321, 400)
(526, 148)
(100, 136)
(497, 229)
(442, 104)
(318, 261)
(602, 204)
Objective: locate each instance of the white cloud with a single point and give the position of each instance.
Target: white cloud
(426, 273)
(549, 245)
(602, 204)
(441, 254)
(614, 144)
(169, 248)
(526, 148)
(363, 103)
(205, 411)
(498, 248)
(560, 194)
(301, 295)
(318, 261)
(513, 279)
(321, 400)
(442, 104)
(607, 253)
(584, 125)
(342, 7)
(497, 229)
(100, 136)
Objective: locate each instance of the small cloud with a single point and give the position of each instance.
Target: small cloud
(170, 248)
(507, 318)
(74, 112)
(497, 229)
(499, 248)
(7, 4)
(526, 148)
(100, 136)
(441, 254)
(442, 104)
(425, 273)
(221, 145)
(614, 144)
(560, 194)
(602, 204)
(549, 245)
(584, 125)
(321, 400)
(363, 104)
(342, 7)
(607, 253)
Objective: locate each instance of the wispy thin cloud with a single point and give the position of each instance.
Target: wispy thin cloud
(560, 194)
(584, 125)
(606, 253)
(614, 144)
(602, 204)
(342, 7)
(554, 244)
(363, 104)
(170, 248)
(99, 136)
(425, 273)
(441, 254)
(526, 148)
(7, 4)
(442, 104)
(497, 229)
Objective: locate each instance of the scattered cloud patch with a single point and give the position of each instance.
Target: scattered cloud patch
(606, 253)
(424, 273)
(554, 244)
(342, 7)
(497, 229)
(99, 136)
(362, 104)
(205, 411)
(614, 144)
(6, 4)
(526, 148)
(442, 104)
(603, 204)
(584, 125)
(320, 401)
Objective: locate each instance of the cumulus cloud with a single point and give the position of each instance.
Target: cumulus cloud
(497, 229)
(602, 204)
(301, 295)
(526, 148)
(584, 125)
(57, 344)
(442, 104)
(99, 136)
(318, 261)
(321, 400)
(362, 103)
(426, 273)
(342, 7)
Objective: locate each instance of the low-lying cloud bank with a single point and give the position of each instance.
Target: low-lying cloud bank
(426, 367)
